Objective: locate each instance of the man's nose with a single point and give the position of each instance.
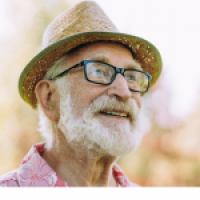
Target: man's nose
(119, 88)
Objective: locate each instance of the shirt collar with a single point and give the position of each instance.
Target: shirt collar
(34, 171)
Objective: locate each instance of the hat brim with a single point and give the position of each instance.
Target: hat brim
(145, 52)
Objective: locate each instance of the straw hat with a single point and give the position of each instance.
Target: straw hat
(84, 23)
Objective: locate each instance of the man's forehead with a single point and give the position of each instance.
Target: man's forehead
(105, 58)
(101, 51)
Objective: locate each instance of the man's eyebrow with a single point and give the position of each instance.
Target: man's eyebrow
(132, 65)
(100, 57)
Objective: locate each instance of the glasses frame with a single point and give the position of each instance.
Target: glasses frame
(117, 70)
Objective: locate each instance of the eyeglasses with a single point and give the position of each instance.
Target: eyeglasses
(102, 73)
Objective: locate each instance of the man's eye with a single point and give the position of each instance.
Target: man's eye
(98, 72)
(132, 78)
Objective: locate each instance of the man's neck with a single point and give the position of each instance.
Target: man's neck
(79, 166)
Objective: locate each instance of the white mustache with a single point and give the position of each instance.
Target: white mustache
(110, 103)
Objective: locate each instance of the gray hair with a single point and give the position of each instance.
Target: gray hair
(56, 68)
(45, 125)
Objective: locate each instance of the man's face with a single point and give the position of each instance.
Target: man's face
(84, 106)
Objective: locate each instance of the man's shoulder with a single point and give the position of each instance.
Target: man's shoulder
(9, 179)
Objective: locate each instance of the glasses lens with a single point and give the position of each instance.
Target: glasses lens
(99, 72)
(136, 80)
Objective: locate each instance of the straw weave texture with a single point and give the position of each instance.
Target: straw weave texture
(84, 23)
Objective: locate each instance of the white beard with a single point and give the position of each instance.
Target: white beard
(117, 139)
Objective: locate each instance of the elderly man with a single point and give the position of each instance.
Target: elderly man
(87, 84)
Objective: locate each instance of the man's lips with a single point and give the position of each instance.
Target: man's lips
(115, 113)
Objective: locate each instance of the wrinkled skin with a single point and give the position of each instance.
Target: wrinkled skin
(69, 160)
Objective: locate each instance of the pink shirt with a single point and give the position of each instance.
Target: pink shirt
(35, 172)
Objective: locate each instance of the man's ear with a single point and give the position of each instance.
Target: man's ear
(48, 98)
